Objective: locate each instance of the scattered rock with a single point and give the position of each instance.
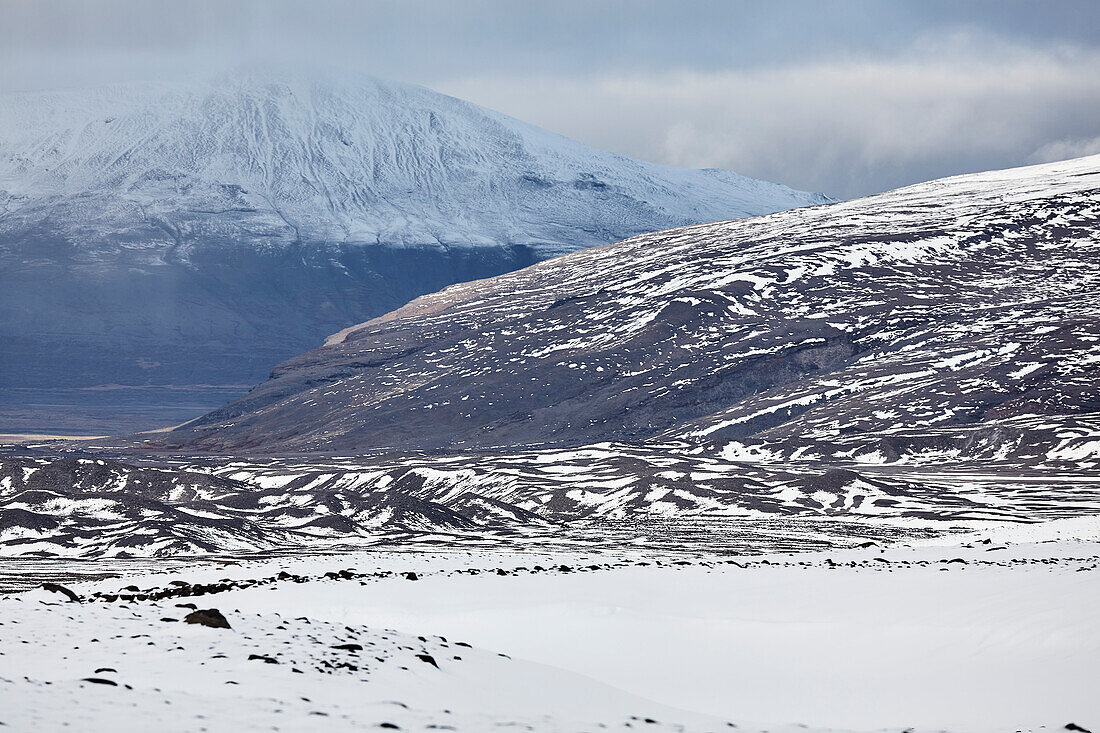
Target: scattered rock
(55, 588)
(263, 658)
(211, 617)
(427, 659)
(411, 576)
(101, 681)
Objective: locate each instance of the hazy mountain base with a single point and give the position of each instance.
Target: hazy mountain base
(27, 413)
(186, 336)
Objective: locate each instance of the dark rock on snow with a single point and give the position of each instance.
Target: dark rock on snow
(211, 617)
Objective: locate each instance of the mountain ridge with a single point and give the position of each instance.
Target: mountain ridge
(738, 329)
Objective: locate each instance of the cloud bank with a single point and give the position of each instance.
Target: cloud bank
(846, 97)
(846, 128)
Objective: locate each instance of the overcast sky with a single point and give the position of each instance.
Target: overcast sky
(841, 97)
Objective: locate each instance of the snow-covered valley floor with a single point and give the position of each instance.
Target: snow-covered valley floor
(990, 632)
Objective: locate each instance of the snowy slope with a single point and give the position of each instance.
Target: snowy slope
(197, 234)
(952, 319)
(978, 638)
(664, 497)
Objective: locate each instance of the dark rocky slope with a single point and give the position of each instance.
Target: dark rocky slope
(959, 315)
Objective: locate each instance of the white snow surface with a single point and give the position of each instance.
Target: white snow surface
(982, 636)
(337, 158)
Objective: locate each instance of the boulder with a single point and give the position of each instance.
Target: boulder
(211, 617)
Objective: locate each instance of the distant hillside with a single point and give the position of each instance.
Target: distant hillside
(954, 319)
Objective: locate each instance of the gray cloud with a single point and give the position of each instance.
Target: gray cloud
(847, 128)
(1065, 149)
(842, 97)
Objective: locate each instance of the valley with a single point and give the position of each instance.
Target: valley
(834, 468)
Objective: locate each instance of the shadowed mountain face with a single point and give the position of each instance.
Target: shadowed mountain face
(195, 235)
(957, 317)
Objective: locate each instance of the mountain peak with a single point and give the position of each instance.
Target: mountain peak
(347, 158)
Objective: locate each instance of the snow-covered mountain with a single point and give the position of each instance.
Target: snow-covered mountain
(333, 160)
(198, 233)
